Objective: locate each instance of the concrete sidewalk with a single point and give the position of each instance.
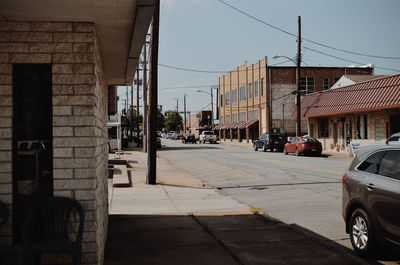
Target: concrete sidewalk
(180, 222)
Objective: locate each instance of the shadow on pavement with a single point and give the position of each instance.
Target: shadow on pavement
(209, 239)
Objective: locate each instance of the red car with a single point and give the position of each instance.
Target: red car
(303, 145)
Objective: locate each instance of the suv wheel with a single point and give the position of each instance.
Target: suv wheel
(361, 236)
(264, 148)
(255, 148)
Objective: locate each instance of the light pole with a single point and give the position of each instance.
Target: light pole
(212, 102)
(297, 63)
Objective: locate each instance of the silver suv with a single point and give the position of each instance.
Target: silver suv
(371, 197)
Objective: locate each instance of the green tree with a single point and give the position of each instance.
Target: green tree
(173, 121)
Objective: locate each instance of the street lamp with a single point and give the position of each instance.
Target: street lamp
(212, 102)
(297, 62)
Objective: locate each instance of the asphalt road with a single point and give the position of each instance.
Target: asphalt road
(296, 190)
(304, 191)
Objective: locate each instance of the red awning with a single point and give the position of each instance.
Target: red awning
(219, 126)
(249, 124)
(239, 124)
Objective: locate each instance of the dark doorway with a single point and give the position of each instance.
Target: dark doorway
(394, 124)
(32, 138)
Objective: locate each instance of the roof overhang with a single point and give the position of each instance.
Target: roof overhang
(121, 27)
(347, 112)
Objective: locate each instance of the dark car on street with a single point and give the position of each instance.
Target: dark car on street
(269, 142)
(303, 145)
(189, 138)
(371, 198)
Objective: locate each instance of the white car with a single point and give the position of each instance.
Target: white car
(208, 136)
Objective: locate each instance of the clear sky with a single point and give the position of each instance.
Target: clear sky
(209, 35)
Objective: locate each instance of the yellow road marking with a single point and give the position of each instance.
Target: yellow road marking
(232, 169)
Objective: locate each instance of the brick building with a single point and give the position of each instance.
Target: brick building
(259, 98)
(196, 123)
(59, 61)
(365, 112)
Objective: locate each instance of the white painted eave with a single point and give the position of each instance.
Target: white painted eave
(121, 27)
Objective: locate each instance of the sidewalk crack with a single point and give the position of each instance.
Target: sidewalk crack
(222, 244)
(172, 201)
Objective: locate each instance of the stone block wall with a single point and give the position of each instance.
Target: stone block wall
(79, 119)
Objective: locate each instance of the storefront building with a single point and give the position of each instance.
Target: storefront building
(257, 98)
(58, 62)
(365, 113)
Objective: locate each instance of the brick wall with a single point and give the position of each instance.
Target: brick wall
(79, 118)
(383, 116)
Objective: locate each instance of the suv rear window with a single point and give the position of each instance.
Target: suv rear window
(372, 163)
(390, 164)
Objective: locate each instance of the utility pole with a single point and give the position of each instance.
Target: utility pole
(144, 140)
(190, 121)
(212, 108)
(177, 108)
(127, 101)
(137, 108)
(153, 98)
(298, 129)
(184, 112)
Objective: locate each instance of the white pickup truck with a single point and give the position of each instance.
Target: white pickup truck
(208, 136)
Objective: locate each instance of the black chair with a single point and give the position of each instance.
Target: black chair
(50, 228)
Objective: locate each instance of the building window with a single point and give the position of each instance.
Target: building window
(378, 130)
(234, 96)
(242, 93)
(256, 89)
(222, 101)
(250, 91)
(262, 86)
(307, 84)
(326, 83)
(227, 98)
(323, 128)
(362, 127)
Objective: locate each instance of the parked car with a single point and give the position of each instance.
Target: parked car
(208, 136)
(189, 138)
(371, 197)
(170, 135)
(158, 142)
(303, 145)
(269, 142)
(176, 136)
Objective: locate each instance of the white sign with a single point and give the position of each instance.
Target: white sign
(354, 147)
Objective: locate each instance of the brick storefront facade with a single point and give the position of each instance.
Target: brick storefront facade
(266, 93)
(79, 104)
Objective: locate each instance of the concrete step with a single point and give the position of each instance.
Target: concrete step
(120, 177)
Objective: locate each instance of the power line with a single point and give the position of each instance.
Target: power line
(343, 59)
(192, 70)
(311, 41)
(182, 87)
(215, 72)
